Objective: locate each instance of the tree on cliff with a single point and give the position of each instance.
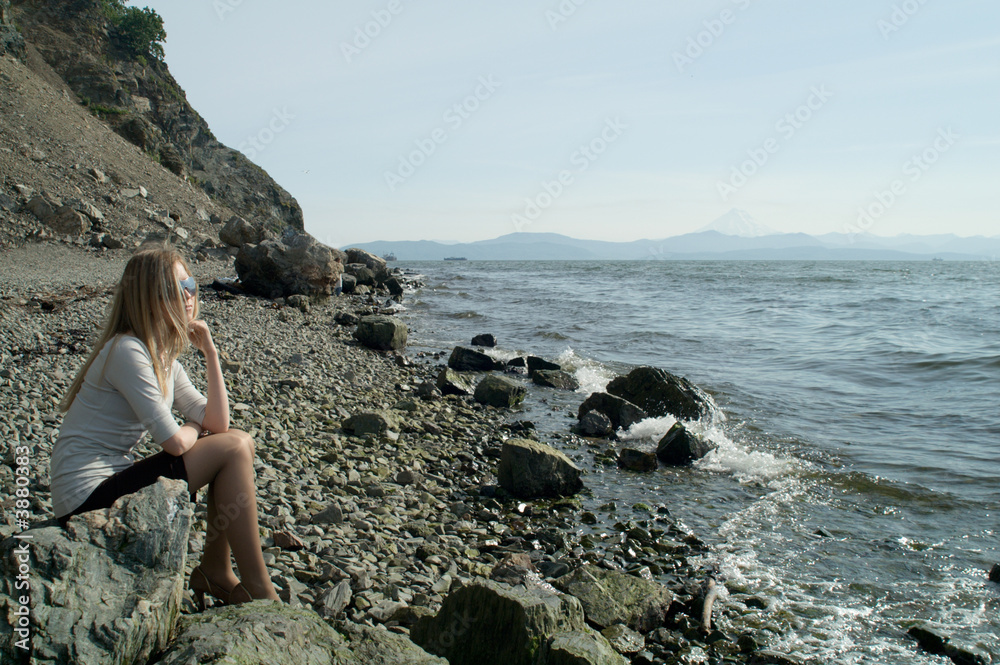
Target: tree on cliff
(140, 32)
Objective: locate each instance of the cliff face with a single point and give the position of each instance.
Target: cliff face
(140, 100)
(11, 40)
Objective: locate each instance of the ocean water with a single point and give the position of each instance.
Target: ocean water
(856, 482)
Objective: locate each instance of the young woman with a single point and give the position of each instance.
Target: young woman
(126, 388)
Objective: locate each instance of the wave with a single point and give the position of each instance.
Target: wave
(465, 315)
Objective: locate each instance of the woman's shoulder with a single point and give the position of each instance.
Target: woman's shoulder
(127, 345)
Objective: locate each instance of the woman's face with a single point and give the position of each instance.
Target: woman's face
(189, 298)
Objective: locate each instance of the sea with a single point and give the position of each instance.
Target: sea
(855, 483)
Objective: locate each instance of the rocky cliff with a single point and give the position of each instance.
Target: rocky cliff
(71, 44)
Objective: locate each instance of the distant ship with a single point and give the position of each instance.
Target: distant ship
(455, 258)
(389, 257)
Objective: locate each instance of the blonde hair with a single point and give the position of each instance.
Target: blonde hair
(148, 304)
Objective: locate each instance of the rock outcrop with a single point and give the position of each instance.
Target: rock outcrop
(140, 100)
(11, 40)
(659, 393)
(382, 333)
(610, 597)
(294, 264)
(108, 588)
(579, 648)
(530, 470)
(486, 623)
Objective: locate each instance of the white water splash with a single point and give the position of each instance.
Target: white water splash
(593, 376)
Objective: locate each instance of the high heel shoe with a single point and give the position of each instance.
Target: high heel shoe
(200, 585)
(239, 595)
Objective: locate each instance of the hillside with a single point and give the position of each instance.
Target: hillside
(75, 100)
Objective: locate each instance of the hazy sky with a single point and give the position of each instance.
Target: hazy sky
(425, 119)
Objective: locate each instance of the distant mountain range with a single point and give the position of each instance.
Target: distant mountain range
(735, 236)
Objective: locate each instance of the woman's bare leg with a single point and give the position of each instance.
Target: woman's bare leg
(226, 461)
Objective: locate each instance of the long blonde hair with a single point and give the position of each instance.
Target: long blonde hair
(148, 304)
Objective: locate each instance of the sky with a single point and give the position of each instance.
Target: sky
(627, 120)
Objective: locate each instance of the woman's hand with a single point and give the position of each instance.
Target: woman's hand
(200, 336)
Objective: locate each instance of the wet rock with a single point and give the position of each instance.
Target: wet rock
(362, 274)
(769, 657)
(579, 648)
(535, 364)
(371, 422)
(622, 413)
(610, 597)
(530, 469)
(660, 393)
(259, 632)
(377, 646)
(679, 447)
(464, 359)
(500, 392)
(555, 378)
(995, 573)
(485, 623)
(294, 263)
(624, 639)
(108, 588)
(486, 340)
(932, 641)
(595, 423)
(450, 382)
(394, 286)
(383, 333)
(637, 460)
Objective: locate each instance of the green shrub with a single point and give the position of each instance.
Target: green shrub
(139, 32)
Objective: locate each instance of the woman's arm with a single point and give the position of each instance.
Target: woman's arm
(182, 440)
(217, 408)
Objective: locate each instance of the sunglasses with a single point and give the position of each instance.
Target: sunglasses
(189, 286)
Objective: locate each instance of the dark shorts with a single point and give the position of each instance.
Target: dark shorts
(143, 473)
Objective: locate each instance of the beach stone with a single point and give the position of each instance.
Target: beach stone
(332, 514)
(932, 641)
(334, 600)
(637, 460)
(67, 221)
(86, 209)
(555, 378)
(371, 422)
(238, 232)
(995, 573)
(43, 206)
(535, 364)
(382, 333)
(679, 447)
(294, 263)
(513, 569)
(500, 392)
(622, 413)
(262, 631)
(346, 319)
(595, 423)
(109, 587)
(583, 647)
(487, 623)
(624, 639)
(450, 382)
(610, 597)
(377, 646)
(660, 393)
(771, 657)
(486, 340)
(530, 469)
(464, 359)
(299, 302)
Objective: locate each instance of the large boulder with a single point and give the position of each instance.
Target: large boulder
(294, 263)
(361, 273)
(377, 646)
(622, 413)
(264, 631)
(464, 359)
(500, 392)
(530, 470)
(238, 232)
(579, 647)
(374, 263)
(487, 623)
(659, 393)
(610, 597)
(450, 382)
(535, 364)
(679, 447)
(107, 588)
(382, 333)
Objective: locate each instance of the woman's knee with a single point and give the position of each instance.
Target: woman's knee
(244, 441)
